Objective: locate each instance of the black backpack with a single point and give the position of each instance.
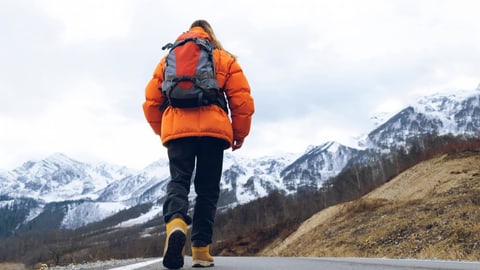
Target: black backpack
(189, 78)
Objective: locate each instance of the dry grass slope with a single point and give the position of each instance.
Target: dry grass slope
(12, 266)
(430, 211)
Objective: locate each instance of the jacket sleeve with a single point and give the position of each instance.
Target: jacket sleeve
(154, 99)
(240, 101)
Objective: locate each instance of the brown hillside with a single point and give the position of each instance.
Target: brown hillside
(429, 211)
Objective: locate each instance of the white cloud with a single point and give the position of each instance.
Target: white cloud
(90, 20)
(295, 134)
(73, 73)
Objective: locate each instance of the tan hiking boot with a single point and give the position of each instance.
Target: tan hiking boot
(174, 249)
(201, 257)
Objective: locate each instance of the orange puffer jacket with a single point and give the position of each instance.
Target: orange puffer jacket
(213, 121)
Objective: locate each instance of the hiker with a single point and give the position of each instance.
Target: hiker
(196, 132)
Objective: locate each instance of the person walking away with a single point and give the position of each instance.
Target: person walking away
(195, 137)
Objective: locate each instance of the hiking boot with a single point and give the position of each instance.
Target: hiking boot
(201, 257)
(174, 249)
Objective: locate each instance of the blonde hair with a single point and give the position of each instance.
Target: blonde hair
(209, 30)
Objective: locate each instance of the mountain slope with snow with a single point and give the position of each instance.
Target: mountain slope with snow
(456, 113)
(60, 178)
(317, 165)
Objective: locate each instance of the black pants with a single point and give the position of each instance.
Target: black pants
(205, 156)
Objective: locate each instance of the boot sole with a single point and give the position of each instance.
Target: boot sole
(173, 258)
(201, 264)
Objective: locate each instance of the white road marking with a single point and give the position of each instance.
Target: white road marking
(137, 265)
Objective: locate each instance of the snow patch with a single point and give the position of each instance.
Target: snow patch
(84, 213)
(155, 211)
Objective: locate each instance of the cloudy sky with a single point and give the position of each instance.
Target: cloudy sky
(73, 72)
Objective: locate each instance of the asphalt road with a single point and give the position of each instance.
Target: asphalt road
(294, 263)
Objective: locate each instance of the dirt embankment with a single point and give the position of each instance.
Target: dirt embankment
(429, 211)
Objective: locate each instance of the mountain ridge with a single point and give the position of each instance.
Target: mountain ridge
(111, 188)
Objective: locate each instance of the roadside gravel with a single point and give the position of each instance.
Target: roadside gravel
(99, 265)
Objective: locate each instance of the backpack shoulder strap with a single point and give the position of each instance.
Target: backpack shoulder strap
(205, 44)
(202, 42)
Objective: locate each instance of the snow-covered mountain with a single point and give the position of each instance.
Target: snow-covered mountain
(60, 178)
(81, 193)
(456, 113)
(318, 164)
